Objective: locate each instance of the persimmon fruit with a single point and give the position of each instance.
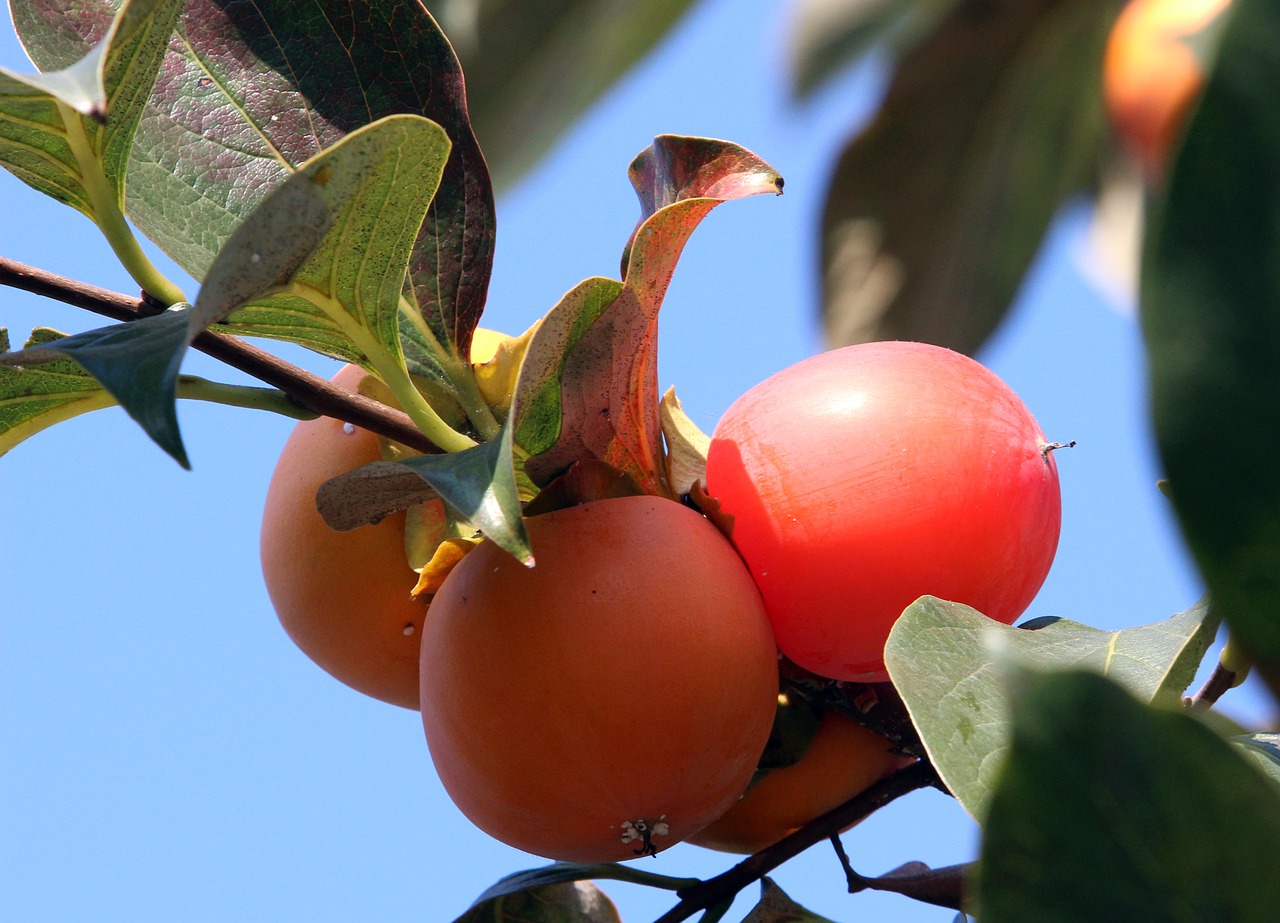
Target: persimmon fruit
(344, 597)
(843, 760)
(863, 478)
(610, 700)
(1152, 74)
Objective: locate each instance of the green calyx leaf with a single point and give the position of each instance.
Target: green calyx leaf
(944, 657)
(572, 871)
(1109, 809)
(137, 363)
(588, 388)
(566, 902)
(479, 486)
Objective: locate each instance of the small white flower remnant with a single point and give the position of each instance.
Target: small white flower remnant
(645, 831)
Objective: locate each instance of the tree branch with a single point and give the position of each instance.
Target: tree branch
(942, 887)
(716, 890)
(308, 390)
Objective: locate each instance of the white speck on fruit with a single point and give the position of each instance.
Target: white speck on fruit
(348, 428)
(408, 629)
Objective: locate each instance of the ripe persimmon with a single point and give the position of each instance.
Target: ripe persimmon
(842, 761)
(1152, 73)
(344, 597)
(609, 701)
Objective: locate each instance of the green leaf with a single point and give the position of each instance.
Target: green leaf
(942, 657)
(1209, 293)
(520, 93)
(776, 907)
(572, 871)
(1264, 750)
(479, 485)
(55, 133)
(33, 399)
(1111, 810)
(251, 90)
(568, 902)
(136, 362)
(938, 207)
(588, 388)
(827, 36)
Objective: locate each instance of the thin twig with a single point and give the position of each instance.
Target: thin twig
(713, 891)
(308, 390)
(1219, 681)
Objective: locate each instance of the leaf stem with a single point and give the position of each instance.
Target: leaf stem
(110, 219)
(714, 891)
(309, 390)
(194, 388)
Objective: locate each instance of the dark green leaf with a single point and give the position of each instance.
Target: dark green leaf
(1210, 292)
(776, 907)
(1111, 810)
(938, 207)
(572, 871)
(588, 388)
(479, 486)
(943, 657)
(520, 92)
(35, 398)
(55, 133)
(567, 902)
(827, 36)
(137, 362)
(251, 90)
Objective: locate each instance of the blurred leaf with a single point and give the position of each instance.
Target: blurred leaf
(776, 907)
(479, 485)
(250, 90)
(55, 135)
(826, 36)
(572, 871)
(33, 399)
(1264, 750)
(942, 659)
(136, 362)
(567, 902)
(520, 92)
(588, 388)
(1210, 291)
(321, 260)
(938, 207)
(1111, 810)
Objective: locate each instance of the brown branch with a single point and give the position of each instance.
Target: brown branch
(308, 390)
(715, 890)
(1218, 683)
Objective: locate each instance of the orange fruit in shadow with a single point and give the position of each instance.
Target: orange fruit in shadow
(344, 597)
(609, 701)
(1152, 74)
(843, 760)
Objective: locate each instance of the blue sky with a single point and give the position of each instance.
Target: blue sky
(165, 752)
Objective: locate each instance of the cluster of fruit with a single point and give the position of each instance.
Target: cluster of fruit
(616, 698)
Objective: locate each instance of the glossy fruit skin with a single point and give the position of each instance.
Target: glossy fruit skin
(1151, 77)
(865, 477)
(344, 597)
(630, 676)
(843, 760)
